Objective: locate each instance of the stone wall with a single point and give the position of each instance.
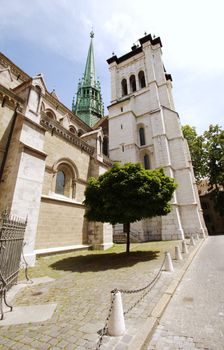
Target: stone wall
(61, 223)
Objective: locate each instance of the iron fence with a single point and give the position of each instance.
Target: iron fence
(12, 230)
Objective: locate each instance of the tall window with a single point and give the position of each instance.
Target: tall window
(100, 145)
(146, 162)
(65, 183)
(60, 182)
(132, 83)
(141, 79)
(142, 136)
(124, 87)
(105, 145)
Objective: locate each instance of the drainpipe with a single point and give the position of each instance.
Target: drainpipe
(8, 143)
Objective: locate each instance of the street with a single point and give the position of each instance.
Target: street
(194, 318)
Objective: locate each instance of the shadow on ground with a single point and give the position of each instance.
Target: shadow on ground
(102, 262)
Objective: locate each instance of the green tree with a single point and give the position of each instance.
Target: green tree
(214, 150)
(197, 151)
(128, 193)
(207, 154)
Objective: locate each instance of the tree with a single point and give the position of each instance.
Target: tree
(214, 150)
(197, 151)
(128, 193)
(207, 153)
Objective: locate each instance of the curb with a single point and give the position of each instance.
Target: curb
(157, 312)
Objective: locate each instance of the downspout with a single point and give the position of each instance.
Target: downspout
(8, 143)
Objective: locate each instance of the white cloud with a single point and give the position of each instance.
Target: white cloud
(191, 32)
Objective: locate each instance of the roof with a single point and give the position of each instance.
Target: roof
(135, 49)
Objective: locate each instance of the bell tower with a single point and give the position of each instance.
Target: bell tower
(89, 105)
(144, 127)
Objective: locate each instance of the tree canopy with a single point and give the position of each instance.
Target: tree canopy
(128, 193)
(197, 151)
(207, 153)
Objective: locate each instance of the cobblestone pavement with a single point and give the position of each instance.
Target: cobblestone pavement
(194, 319)
(81, 289)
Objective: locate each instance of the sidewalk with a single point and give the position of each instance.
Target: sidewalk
(81, 290)
(194, 319)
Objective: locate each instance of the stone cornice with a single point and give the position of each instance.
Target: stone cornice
(55, 127)
(34, 151)
(60, 106)
(7, 96)
(62, 199)
(5, 61)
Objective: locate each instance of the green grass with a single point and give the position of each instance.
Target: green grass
(79, 262)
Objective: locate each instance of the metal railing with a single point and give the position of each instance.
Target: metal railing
(12, 230)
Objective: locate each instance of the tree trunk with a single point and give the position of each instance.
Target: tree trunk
(128, 238)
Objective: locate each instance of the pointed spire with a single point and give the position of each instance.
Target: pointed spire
(90, 74)
(89, 105)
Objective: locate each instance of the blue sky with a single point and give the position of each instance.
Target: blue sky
(52, 37)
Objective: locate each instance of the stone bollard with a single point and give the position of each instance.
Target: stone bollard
(168, 262)
(192, 242)
(184, 247)
(116, 324)
(178, 255)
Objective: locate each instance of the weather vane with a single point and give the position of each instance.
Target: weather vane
(92, 33)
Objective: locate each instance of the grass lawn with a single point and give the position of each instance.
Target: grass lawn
(57, 265)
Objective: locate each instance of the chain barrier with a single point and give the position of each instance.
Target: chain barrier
(148, 287)
(105, 328)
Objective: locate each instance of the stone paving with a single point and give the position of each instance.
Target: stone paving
(81, 290)
(194, 318)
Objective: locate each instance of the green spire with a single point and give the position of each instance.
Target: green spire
(90, 74)
(89, 105)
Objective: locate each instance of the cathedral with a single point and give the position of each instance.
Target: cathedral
(48, 152)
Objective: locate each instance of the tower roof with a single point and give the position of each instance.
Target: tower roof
(89, 104)
(90, 73)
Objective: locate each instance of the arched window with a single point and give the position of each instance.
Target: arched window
(142, 136)
(146, 161)
(72, 129)
(132, 83)
(60, 182)
(65, 180)
(141, 79)
(50, 114)
(124, 87)
(105, 145)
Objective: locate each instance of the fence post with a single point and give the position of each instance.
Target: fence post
(178, 255)
(184, 247)
(168, 262)
(116, 324)
(192, 242)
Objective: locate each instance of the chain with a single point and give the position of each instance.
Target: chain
(148, 287)
(103, 331)
(126, 291)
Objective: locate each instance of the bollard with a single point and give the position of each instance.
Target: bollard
(178, 255)
(184, 247)
(168, 262)
(192, 242)
(116, 324)
(197, 237)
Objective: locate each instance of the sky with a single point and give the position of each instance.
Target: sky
(52, 37)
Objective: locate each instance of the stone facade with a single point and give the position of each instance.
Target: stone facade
(47, 155)
(47, 152)
(144, 127)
